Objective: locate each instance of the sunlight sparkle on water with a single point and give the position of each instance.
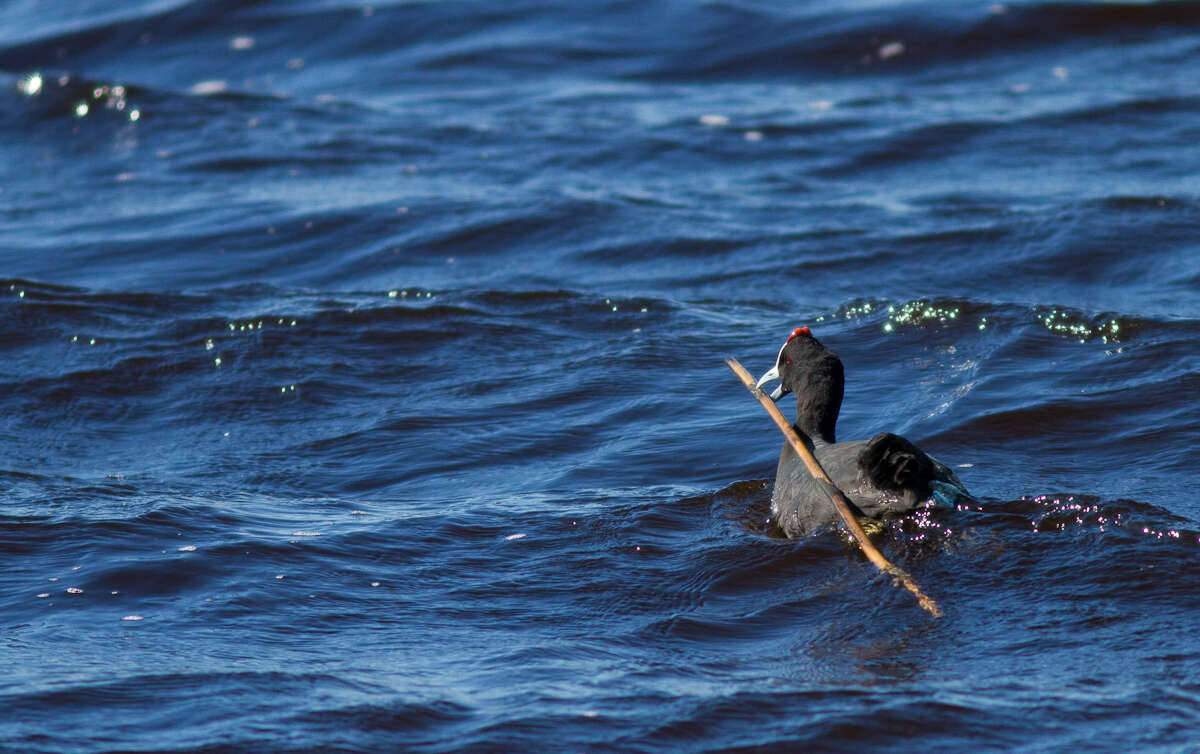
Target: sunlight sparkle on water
(31, 84)
(212, 86)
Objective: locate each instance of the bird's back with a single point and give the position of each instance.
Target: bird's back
(884, 476)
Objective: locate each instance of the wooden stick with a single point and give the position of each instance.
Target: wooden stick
(836, 497)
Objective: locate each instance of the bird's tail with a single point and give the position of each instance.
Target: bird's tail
(893, 463)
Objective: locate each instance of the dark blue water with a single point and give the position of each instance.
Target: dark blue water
(362, 382)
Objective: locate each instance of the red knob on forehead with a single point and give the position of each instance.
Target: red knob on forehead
(800, 332)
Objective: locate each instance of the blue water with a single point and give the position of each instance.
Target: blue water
(362, 381)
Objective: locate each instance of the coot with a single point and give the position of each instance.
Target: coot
(884, 476)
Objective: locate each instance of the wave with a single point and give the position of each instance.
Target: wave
(712, 40)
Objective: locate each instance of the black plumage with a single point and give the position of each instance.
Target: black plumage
(883, 476)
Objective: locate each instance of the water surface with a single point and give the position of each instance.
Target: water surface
(363, 385)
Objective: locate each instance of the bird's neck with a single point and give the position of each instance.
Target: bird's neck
(817, 418)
